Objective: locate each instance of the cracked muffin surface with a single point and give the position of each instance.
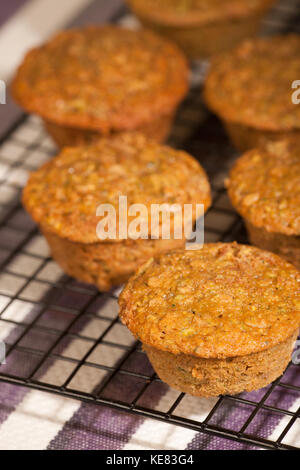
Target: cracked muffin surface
(264, 186)
(221, 301)
(103, 78)
(63, 195)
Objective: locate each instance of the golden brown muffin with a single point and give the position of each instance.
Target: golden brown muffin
(264, 187)
(64, 194)
(250, 89)
(219, 320)
(95, 81)
(202, 27)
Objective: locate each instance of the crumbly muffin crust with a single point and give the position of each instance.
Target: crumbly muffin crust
(63, 195)
(222, 301)
(197, 11)
(104, 78)
(264, 187)
(251, 85)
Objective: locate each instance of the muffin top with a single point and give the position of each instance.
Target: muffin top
(103, 78)
(195, 11)
(264, 186)
(223, 300)
(252, 85)
(64, 194)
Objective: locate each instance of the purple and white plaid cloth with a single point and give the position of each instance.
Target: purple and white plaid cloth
(31, 419)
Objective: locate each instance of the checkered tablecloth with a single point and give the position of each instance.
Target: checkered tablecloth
(31, 419)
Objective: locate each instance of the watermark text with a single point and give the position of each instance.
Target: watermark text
(156, 221)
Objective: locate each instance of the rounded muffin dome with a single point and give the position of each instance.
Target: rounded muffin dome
(102, 77)
(221, 301)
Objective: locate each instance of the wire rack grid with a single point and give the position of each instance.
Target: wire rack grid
(65, 337)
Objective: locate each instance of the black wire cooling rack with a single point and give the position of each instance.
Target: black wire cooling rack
(65, 337)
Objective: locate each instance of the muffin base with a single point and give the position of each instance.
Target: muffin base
(286, 246)
(158, 130)
(214, 377)
(105, 264)
(247, 138)
(205, 40)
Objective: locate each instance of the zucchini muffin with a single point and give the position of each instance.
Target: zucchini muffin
(264, 187)
(219, 320)
(250, 89)
(64, 194)
(95, 81)
(202, 27)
